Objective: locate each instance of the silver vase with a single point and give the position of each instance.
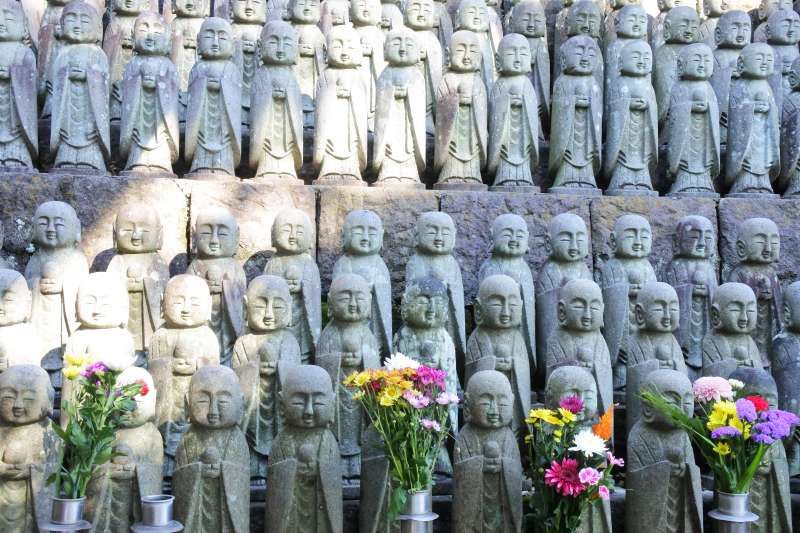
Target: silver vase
(418, 515)
(67, 515)
(733, 513)
(157, 515)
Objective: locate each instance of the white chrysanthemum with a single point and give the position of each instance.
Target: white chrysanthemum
(736, 384)
(398, 361)
(589, 444)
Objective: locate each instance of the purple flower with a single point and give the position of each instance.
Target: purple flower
(725, 432)
(416, 400)
(746, 410)
(589, 476)
(615, 461)
(776, 415)
(603, 492)
(776, 429)
(97, 368)
(573, 404)
(763, 439)
(430, 424)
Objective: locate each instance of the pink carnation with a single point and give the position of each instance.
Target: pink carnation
(711, 388)
(615, 461)
(589, 476)
(603, 492)
(430, 424)
(431, 376)
(563, 477)
(417, 401)
(445, 398)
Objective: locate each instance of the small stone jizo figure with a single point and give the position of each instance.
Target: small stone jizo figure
(421, 16)
(474, 16)
(713, 11)
(730, 37)
(729, 344)
(789, 179)
(630, 25)
(680, 30)
(249, 17)
(119, 46)
(185, 26)
(783, 35)
(528, 19)
(366, 17)
(785, 358)
(19, 341)
(304, 15)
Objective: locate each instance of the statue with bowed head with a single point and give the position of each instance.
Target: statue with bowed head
(149, 134)
(293, 238)
(473, 16)
(680, 30)
(576, 120)
(730, 37)
(113, 496)
(729, 344)
(261, 357)
(658, 31)
(528, 19)
(765, 9)
(487, 468)
(304, 479)
(713, 11)
(420, 17)
(19, 341)
(118, 44)
(185, 27)
(399, 149)
(789, 179)
(783, 34)
(212, 471)
(249, 17)
(304, 16)
(692, 272)
(216, 240)
(630, 26)
(340, 131)
(693, 128)
(632, 130)
(785, 357)
(29, 449)
(80, 141)
(366, 17)
(513, 119)
(661, 465)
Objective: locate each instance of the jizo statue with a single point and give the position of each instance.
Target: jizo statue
(762, 13)
(713, 11)
(185, 26)
(366, 17)
(584, 18)
(421, 16)
(119, 46)
(49, 43)
(630, 25)
(249, 17)
(731, 35)
(473, 16)
(680, 30)
(729, 344)
(783, 35)
(789, 179)
(19, 341)
(659, 27)
(528, 19)
(304, 15)
(785, 358)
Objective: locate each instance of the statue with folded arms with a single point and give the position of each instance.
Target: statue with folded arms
(366, 17)
(730, 37)
(119, 46)
(680, 30)
(528, 19)
(420, 17)
(185, 26)
(249, 17)
(782, 35)
(304, 15)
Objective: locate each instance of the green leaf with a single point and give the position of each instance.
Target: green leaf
(396, 502)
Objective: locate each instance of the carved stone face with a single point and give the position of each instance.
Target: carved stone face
(632, 237)
(436, 233)
(734, 309)
(513, 55)
(344, 48)
(499, 304)
(509, 236)
(783, 27)
(215, 398)
(636, 59)
(757, 61)
(102, 302)
(187, 302)
(216, 234)
(489, 400)
(465, 52)
(307, 397)
(791, 307)
(473, 15)
(569, 381)
(15, 298)
(528, 19)
(362, 233)
(580, 56)
(269, 304)
(675, 388)
(632, 22)
(425, 304)
(26, 395)
(767, 7)
(12, 21)
(137, 229)
(401, 48)
(696, 62)
(56, 225)
(305, 11)
(715, 8)
(365, 12)
(567, 238)
(145, 409)
(657, 308)
(681, 26)
(79, 23)
(349, 298)
(695, 237)
(292, 232)
(214, 40)
(130, 7)
(191, 8)
(420, 14)
(279, 44)
(584, 19)
(183, 361)
(580, 306)
(733, 30)
(758, 241)
(251, 11)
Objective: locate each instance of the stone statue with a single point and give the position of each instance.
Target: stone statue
(692, 272)
(693, 126)
(497, 344)
(119, 43)
(214, 108)
(185, 27)
(420, 17)
(559, 37)
(632, 129)
(583, 18)
(334, 13)
(770, 495)
(785, 358)
(19, 136)
(249, 17)
(113, 495)
(622, 277)
(54, 272)
(340, 131)
(366, 17)
(29, 448)
(473, 16)
(578, 341)
(662, 477)
(567, 245)
(305, 458)
(630, 26)
(362, 240)
(347, 345)
(276, 108)
(729, 344)
(212, 472)
(392, 16)
(443, 23)
(783, 35)
(753, 154)
(761, 15)
(304, 16)
(652, 346)
(50, 40)
(487, 467)
(435, 240)
(261, 357)
(713, 11)
(513, 119)
(19, 340)
(79, 132)
(680, 30)
(216, 241)
(577, 118)
(376, 486)
(730, 37)
(293, 238)
(462, 116)
(758, 248)
(149, 134)
(658, 33)
(399, 149)
(789, 178)
(528, 19)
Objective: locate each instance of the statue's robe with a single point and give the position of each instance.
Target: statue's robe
(19, 345)
(486, 502)
(216, 505)
(725, 66)
(307, 497)
(372, 65)
(306, 304)
(488, 51)
(785, 357)
(770, 497)
(430, 65)
(789, 179)
(309, 67)
(19, 137)
(785, 54)
(184, 51)
(769, 307)
(227, 300)
(540, 78)
(391, 16)
(376, 486)
(665, 74)
(49, 45)
(725, 352)
(149, 134)
(276, 123)
(443, 24)
(202, 339)
(118, 47)
(707, 30)
(651, 477)
(247, 60)
(513, 154)
(611, 53)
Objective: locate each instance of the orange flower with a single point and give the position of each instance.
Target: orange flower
(604, 428)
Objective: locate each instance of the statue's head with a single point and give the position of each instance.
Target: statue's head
(80, 23)
(465, 52)
(509, 236)
(187, 302)
(15, 298)
(756, 62)
(365, 12)
(472, 15)
(130, 8)
(783, 26)
(279, 43)
(344, 47)
(145, 407)
(631, 22)
(580, 306)
(673, 386)
(216, 233)
(488, 400)
(584, 18)
(215, 39)
(401, 48)
(249, 11)
(102, 301)
(362, 233)
(185, 360)
(715, 8)
(791, 307)
(757, 382)
(733, 30)
(12, 21)
(499, 303)
(56, 225)
(567, 381)
(269, 304)
(436, 233)
(567, 239)
(694, 238)
(513, 55)
(758, 241)
(695, 62)
(631, 237)
(733, 309)
(681, 26)
(424, 303)
(636, 59)
(349, 298)
(307, 397)
(528, 19)
(339, 13)
(137, 228)
(616, 5)
(767, 7)
(26, 395)
(579, 55)
(420, 14)
(305, 11)
(190, 8)
(657, 308)
(215, 398)
(292, 232)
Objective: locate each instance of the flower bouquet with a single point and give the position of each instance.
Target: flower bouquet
(408, 406)
(732, 431)
(570, 466)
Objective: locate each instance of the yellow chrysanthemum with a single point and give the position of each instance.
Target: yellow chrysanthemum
(71, 372)
(545, 415)
(720, 414)
(405, 384)
(722, 449)
(743, 427)
(361, 378)
(76, 360)
(566, 416)
(389, 395)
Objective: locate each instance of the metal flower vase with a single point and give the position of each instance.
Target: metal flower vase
(67, 515)
(418, 515)
(733, 513)
(157, 515)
